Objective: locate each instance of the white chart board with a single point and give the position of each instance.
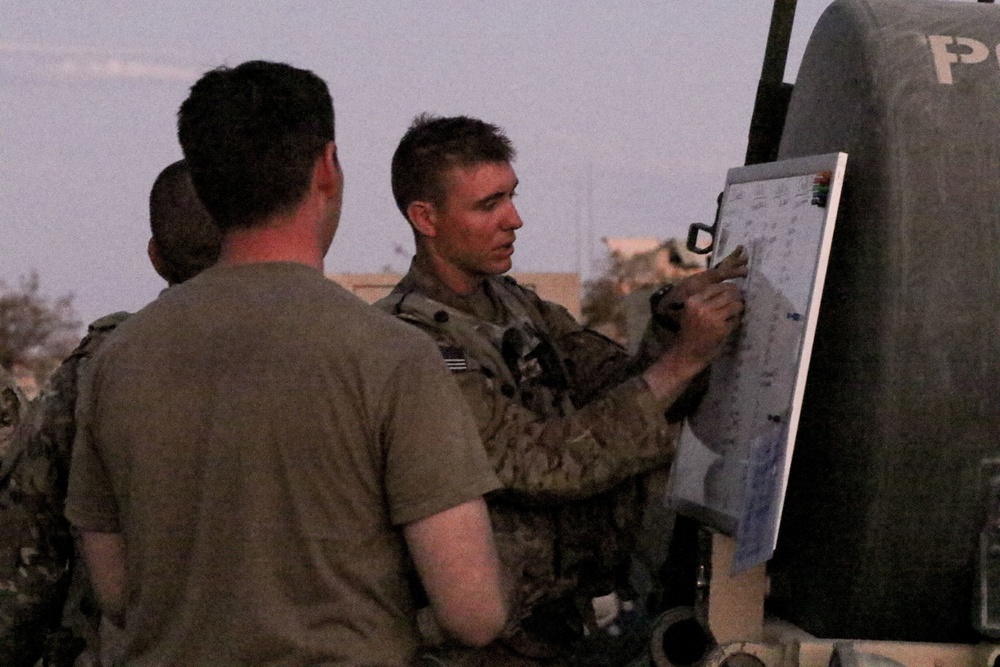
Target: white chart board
(735, 451)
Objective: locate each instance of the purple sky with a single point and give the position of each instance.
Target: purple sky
(638, 107)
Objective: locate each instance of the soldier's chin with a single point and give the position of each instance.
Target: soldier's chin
(499, 267)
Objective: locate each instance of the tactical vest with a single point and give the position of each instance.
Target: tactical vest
(521, 360)
(568, 553)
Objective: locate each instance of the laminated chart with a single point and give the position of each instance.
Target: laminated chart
(735, 451)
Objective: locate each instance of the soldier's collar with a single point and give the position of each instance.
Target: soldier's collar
(481, 303)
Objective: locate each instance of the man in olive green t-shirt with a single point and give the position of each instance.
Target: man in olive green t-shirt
(262, 455)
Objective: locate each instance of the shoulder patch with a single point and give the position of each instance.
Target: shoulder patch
(454, 358)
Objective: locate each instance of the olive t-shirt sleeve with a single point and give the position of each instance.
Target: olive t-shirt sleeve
(434, 457)
(90, 499)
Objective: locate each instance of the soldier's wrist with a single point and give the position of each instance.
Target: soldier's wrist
(664, 311)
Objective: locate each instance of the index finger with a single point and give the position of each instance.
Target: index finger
(733, 265)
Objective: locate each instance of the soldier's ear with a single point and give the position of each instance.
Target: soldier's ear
(326, 171)
(153, 252)
(423, 217)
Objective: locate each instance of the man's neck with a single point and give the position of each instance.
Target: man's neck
(282, 239)
(479, 302)
(456, 280)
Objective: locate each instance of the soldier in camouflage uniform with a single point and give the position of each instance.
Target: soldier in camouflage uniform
(571, 423)
(47, 610)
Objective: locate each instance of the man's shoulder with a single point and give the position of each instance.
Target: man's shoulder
(98, 330)
(47, 426)
(508, 286)
(548, 315)
(372, 328)
(414, 314)
(415, 307)
(108, 322)
(60, 388)
(464, 341)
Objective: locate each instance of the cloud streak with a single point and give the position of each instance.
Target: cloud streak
(114, 68)
(82, 62)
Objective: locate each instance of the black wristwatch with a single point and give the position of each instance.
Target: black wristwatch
(664, 319)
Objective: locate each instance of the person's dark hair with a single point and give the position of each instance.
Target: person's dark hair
(187, 239)
(251, 135)
(432, 146)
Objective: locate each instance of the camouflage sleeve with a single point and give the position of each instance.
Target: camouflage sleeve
(617, 435)
(36, 547)
(12, 407)
(655, 341)
(599, 364)
(595, 362)
(617, 430)
(37, 553)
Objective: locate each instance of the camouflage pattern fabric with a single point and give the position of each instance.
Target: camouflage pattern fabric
(570, 430)
(12, 407)
(47, 610)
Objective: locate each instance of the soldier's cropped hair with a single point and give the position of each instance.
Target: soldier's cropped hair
(432, 146)
(251, 135)
(186, 236)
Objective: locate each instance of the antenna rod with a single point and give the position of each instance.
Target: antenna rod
(772, 93)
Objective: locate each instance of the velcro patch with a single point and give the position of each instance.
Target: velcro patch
(454, 358)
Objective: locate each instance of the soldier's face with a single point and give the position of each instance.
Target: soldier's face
(475, 226)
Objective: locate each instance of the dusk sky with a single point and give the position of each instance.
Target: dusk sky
(626, 116)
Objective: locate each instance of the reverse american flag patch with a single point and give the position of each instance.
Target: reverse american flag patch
(454, 358)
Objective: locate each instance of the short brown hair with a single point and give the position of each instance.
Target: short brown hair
(251, 135)
(186, 237)
(433, 145)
